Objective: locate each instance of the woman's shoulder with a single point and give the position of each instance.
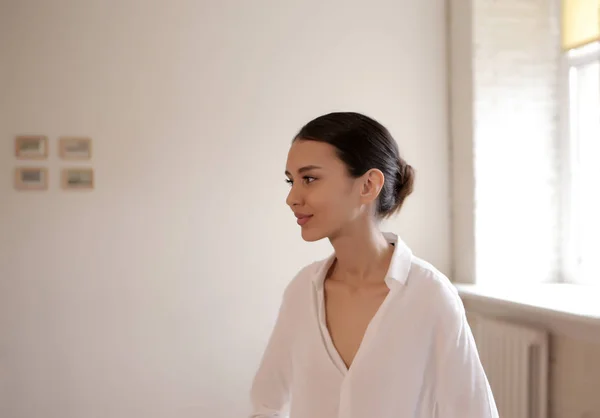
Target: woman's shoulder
(426, 272)
(429, 282)
(306, 276)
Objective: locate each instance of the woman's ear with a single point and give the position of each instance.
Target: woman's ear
(372, 183)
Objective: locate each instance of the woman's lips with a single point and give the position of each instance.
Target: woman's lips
(303, 219)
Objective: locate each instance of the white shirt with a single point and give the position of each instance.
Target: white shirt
(417, 359)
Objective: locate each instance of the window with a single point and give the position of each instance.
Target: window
(582, 191)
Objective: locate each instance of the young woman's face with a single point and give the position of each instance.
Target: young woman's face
(323, 196)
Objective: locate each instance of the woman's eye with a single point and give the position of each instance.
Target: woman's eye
(305, 180)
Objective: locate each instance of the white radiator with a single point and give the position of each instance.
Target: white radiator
(515, 359)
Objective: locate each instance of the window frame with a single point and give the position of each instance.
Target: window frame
(570, 253)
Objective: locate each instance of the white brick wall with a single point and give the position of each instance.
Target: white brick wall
(515, 62)
(515, 120)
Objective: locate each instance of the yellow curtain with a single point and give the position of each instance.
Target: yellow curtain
(580, 22)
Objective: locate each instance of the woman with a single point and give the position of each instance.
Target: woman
(372, 331)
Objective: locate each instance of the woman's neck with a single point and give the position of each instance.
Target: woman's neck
(362, 255)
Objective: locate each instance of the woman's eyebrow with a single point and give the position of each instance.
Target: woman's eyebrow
(304, 169)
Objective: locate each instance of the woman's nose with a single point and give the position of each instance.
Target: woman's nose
(293, 197)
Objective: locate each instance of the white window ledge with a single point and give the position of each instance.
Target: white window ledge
(562, 309)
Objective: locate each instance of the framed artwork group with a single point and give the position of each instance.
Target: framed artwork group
(36, 148)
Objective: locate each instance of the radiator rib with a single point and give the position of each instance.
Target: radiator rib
(515, 359)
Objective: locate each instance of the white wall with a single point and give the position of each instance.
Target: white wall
(153, 295)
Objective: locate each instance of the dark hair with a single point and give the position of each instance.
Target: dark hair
(363, 144)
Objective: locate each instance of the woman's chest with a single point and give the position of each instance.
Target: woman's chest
(348, 314)
(393, 369)
(389, 341)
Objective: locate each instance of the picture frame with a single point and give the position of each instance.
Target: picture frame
(75, 148)
(77, 178)
(31, 178)
(31, 147)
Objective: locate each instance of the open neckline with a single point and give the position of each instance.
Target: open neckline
(371, 328)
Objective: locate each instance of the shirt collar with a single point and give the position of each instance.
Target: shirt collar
(397, 272)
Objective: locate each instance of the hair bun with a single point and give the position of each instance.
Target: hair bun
(404, 182)
(402, 173)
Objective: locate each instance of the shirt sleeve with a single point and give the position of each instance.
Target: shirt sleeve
(271, 385)
(463, 390)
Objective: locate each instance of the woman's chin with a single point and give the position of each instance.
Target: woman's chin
(311, 235)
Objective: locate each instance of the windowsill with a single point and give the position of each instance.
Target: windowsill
(564, 309)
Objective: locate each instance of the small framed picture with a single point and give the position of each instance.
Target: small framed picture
(31, 178)
(77, 178)
(75, 148)
(32, 147)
